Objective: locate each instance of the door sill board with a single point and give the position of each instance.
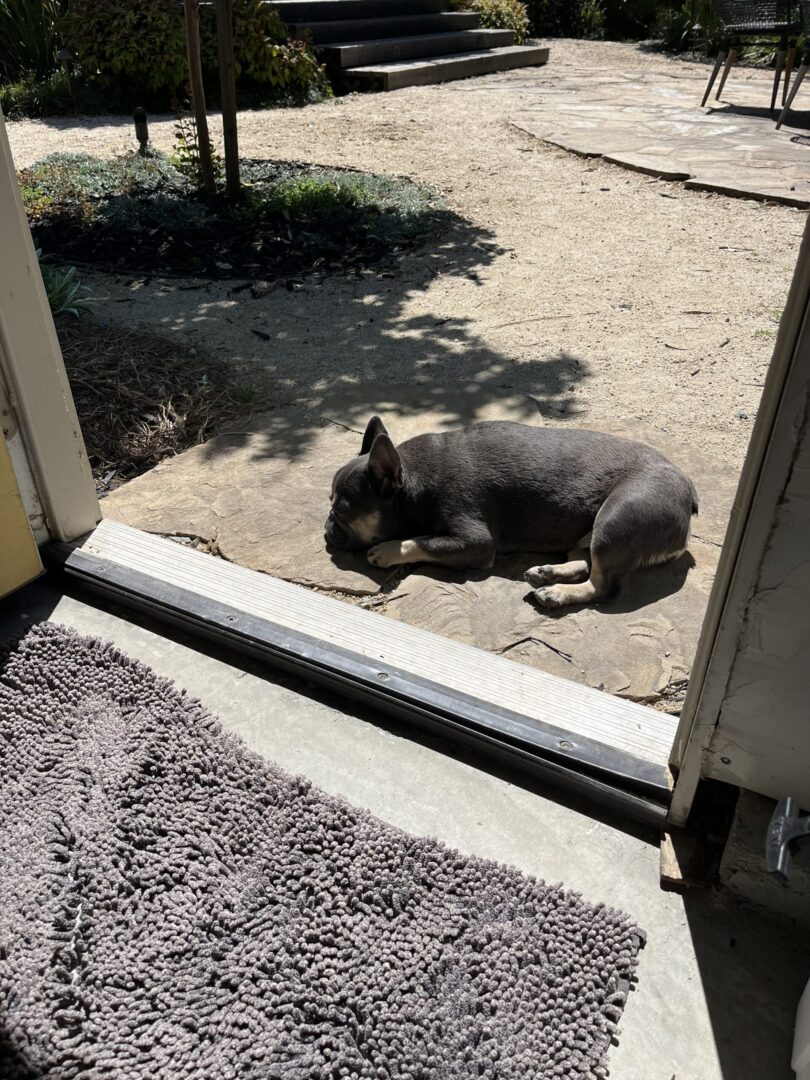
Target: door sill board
(614, 750)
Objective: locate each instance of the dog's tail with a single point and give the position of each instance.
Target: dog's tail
(694, 494)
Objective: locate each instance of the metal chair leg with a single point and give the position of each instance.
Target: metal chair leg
(780, 66)
(797, 82)
(732, 56)
(717, 65)
(790, 63)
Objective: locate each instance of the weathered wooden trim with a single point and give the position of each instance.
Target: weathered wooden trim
(767, 464)
(33, 373)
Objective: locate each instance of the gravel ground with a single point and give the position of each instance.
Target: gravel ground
(599, 292)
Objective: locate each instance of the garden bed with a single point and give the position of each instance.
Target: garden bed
(146, 214)
(141, 398)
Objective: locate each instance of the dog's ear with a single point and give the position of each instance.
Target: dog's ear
(374, 427)
(384, 468)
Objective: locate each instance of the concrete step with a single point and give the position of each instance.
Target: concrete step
(444, 68)
(324, 33)
(348, 54)
(311, 11)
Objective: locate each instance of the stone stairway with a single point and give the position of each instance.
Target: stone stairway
(388, 44)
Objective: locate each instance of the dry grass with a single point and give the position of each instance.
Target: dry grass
(142, 398)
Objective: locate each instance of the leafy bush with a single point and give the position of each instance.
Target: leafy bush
(70, 179)
(500, 15)
(303, 199)
(32, 95)
(28, 36)
(630, 19)
(591, 18)
(141, 44)
(617, 19)
(66, 294)
(186, 155)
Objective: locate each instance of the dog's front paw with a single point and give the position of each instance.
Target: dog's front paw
(387, 554)
(539, 575)
(551, 597)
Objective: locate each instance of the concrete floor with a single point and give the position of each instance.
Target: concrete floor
(718, 983)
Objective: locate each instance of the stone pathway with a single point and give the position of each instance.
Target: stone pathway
(246, 496)
(648, 118)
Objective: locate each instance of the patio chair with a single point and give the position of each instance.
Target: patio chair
(746, 19)
(805, 8)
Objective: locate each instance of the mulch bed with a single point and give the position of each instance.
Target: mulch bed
(141, 398)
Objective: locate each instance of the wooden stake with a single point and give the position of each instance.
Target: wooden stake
(227, 77)
(682, 864)
(191, 8)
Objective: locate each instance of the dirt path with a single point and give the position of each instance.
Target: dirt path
(599, 292)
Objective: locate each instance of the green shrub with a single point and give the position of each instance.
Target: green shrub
(140, 44)
(630, 19)
(303, 199)
(66, 294)
(591, 19)
(500, 15)
(691, 25)
(28, 36)
(617, 19)
(70, 179)
(32, 95)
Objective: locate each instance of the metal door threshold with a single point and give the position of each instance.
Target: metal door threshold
(611, 750)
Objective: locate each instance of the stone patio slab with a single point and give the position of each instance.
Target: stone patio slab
(651, 121)
(258, 496)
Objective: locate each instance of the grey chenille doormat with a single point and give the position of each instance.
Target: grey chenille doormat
(173, 907)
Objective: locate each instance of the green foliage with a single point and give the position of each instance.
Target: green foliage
(140, 44)
(500, 15)
(619, 19)
(186, 156)
(286, 191)
(29, 39)
(72, 179)
(66, 294)
(31, 95)
(144, 213)
(591, 18)
(303, 199)
(690, 25)
(630, 19)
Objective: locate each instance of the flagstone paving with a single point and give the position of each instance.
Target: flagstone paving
(244, 496)
(647, 117)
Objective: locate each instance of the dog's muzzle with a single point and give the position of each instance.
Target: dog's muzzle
(337, 536)
(334, 534)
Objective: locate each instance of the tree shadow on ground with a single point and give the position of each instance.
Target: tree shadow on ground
(337, 349)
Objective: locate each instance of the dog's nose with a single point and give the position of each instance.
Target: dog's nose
(333, 533)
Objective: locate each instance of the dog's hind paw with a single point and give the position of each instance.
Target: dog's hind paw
(540, 575)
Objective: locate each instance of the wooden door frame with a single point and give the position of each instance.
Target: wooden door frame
(767, 467)
(36, 406)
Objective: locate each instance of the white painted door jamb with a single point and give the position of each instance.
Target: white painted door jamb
(38, 411)
(767, 464)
